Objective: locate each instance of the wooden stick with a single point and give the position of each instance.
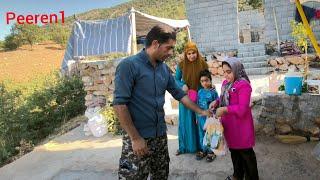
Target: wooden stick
(277, 30)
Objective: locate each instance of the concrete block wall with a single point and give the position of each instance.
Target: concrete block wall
(214, 24)
(252, 17)
(285, 12)
(254, 20)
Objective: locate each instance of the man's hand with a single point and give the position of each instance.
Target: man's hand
(205, 113)
(221, 111)
(140, 147)
(185, 88)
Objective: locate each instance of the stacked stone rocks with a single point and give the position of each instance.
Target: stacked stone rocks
(98, 77)
(283, 114)
(294, 63)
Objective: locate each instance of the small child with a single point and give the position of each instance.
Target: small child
(205, 97)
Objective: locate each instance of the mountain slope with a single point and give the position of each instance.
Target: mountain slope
(174, 9)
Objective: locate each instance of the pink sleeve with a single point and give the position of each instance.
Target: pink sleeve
(244, 95)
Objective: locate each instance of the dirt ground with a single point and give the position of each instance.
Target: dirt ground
(24, 64)
(76, 156)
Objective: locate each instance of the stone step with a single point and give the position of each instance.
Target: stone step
(258, 71)
(251, 54)
(254, 59)
(255, 64)
(252, 44)
(251, 47)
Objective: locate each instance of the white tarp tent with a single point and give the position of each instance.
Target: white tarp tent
(112, 35)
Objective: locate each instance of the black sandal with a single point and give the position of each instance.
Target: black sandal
(178, 152)
(200, 155)
(210, 157)
(229, 177)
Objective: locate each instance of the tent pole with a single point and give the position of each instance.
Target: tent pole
(134, 32)
(189, 35)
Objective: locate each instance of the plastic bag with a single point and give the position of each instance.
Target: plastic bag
(214, 138)
(97, 125)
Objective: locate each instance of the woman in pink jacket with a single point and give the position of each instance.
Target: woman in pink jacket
(234, 109)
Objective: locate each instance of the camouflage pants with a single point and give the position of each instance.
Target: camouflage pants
(156, 163)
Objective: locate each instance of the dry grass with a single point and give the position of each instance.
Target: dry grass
(23, 65)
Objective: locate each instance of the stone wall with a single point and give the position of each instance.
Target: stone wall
(98, 77)
(214, 24)
(283, 114)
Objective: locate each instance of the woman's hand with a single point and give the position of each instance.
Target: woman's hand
(213, 105)
(185, 88)
(221, 111)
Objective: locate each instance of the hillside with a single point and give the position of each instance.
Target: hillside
(23, 65)
(174, 9)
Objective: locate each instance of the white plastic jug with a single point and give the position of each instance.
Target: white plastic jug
(97, 125)
(316, 152)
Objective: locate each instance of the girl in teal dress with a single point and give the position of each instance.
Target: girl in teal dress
(187, 77)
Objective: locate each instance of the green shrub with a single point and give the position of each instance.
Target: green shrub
(182, 39)
(11, 128)
(27, 33)
(11, 42)
(112, 120)
(60, 34)
(30, 116)
(303, 90)
(1, 44)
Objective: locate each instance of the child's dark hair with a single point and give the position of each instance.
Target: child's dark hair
(205, 73)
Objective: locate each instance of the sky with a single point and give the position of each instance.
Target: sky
(70, 7)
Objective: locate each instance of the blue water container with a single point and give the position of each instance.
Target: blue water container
(293, 84)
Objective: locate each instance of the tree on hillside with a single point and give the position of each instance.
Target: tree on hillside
(1, 44)
(60, 34)
(256, 4)
(28, 33)
(11, 42)
(245, 5)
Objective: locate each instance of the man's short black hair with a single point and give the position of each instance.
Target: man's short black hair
(160, 33)
(205, 73)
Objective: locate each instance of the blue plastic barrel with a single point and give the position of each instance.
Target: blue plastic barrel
(293, 84)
